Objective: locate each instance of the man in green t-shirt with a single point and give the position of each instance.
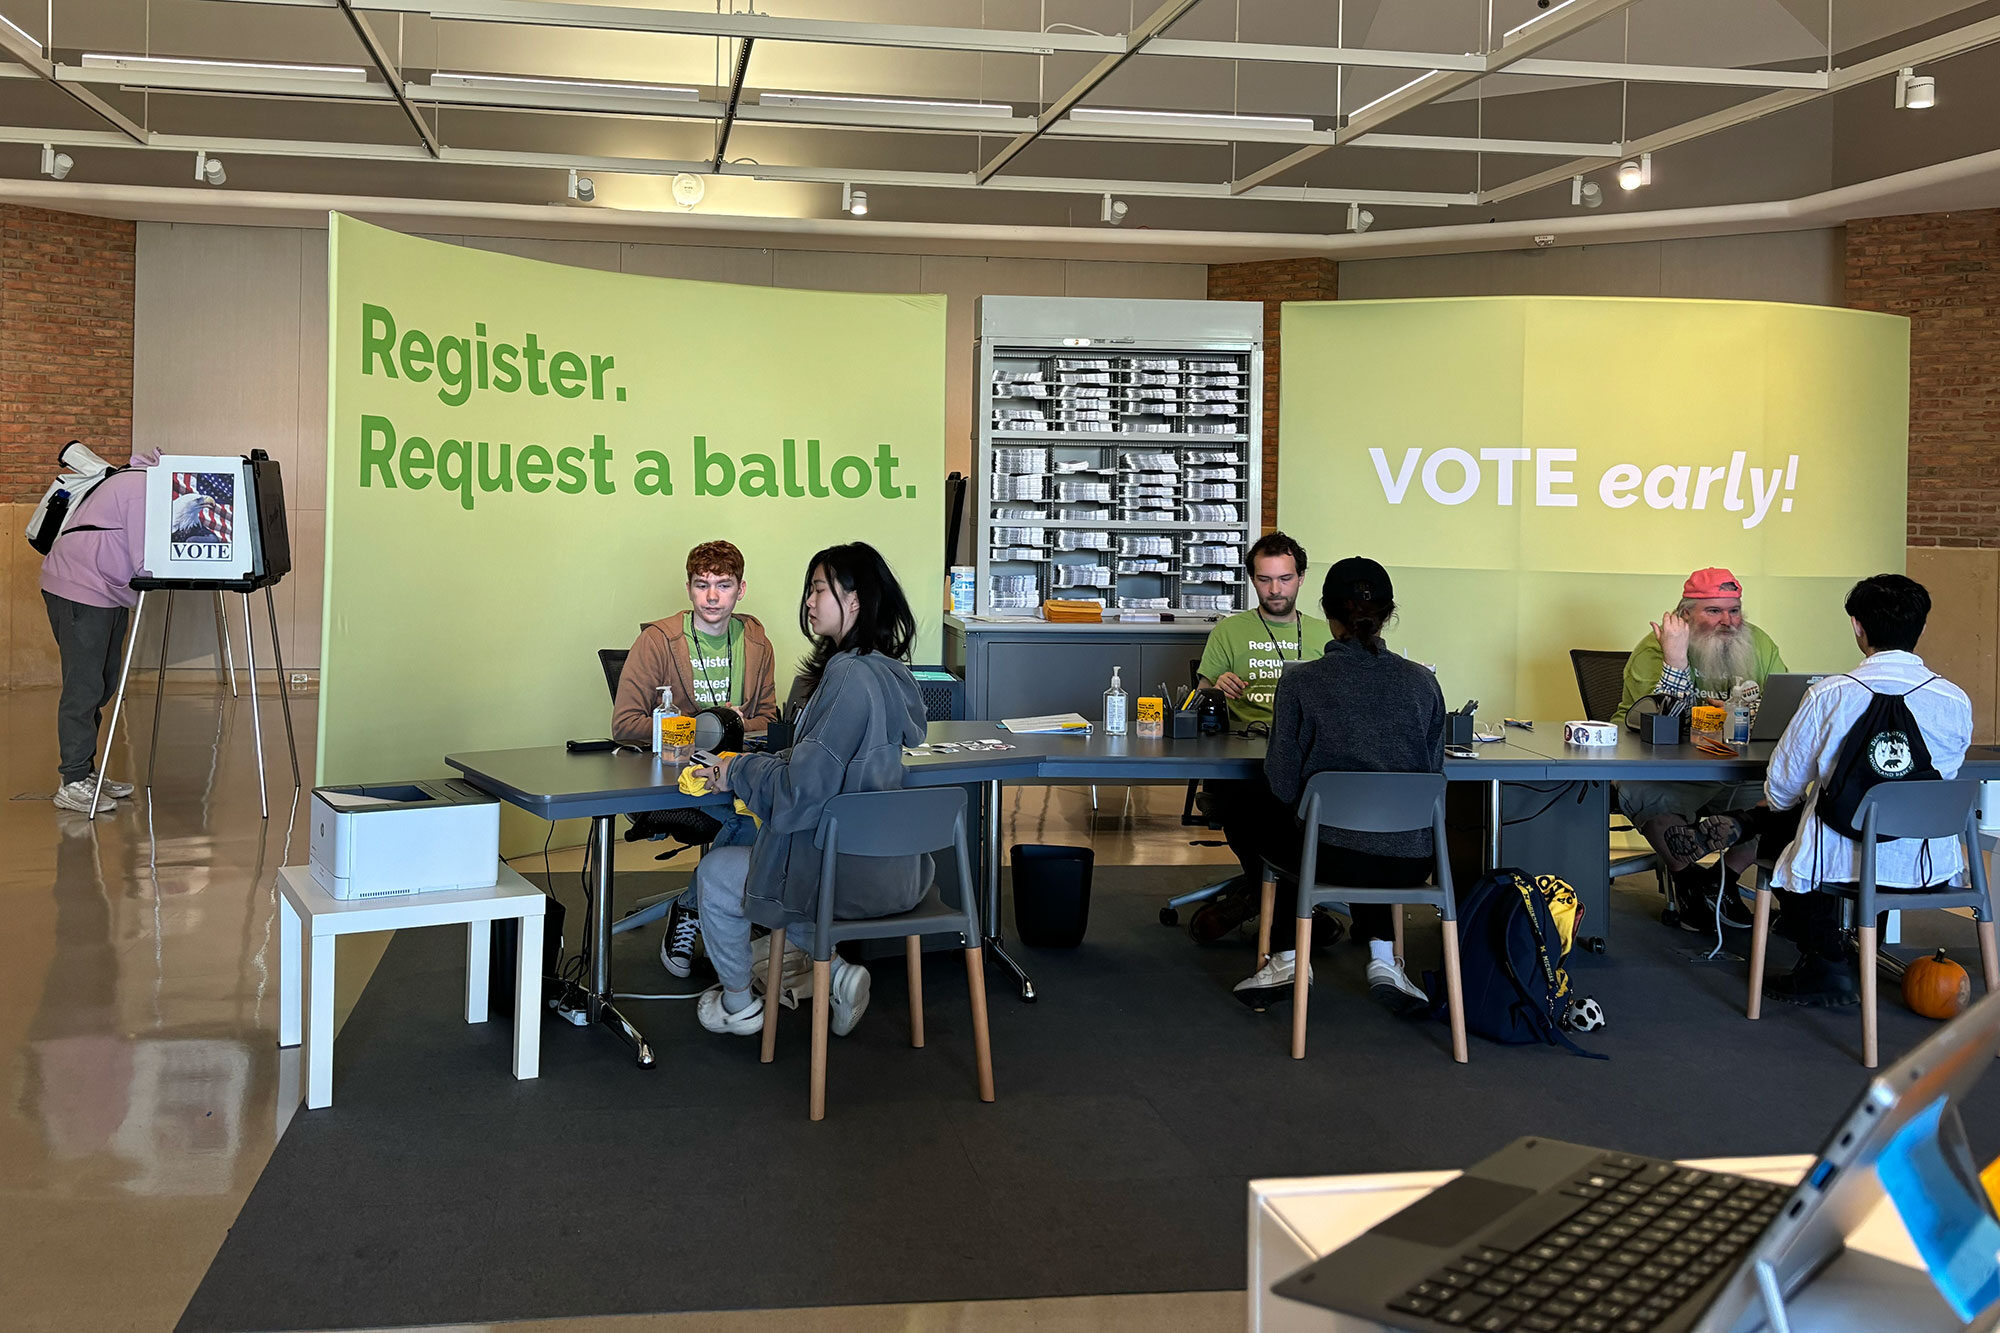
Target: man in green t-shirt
(1699, 651)
(1245, 656)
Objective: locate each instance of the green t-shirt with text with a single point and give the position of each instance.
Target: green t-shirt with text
(1256, 647)
(718, 664)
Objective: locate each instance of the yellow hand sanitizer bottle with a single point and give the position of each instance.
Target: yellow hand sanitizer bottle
(673, 733)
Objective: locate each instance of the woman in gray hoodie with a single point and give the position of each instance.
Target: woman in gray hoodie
(864, 708)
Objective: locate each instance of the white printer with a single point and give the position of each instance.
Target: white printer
(418, 836)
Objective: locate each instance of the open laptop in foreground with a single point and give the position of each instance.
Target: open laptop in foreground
(1553, 1237)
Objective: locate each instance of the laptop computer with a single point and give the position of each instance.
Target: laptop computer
(1783, 693)
(1549, 1237)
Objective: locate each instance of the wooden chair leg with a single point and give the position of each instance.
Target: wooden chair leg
(1868, 975)
(822, 1011)
(982, 1044)
(1267, 903)
(1454, 992)
(1301, 982)
(1989, 957)
(913, 954)
(1396, 928)
(1760, 936)
(774, 982)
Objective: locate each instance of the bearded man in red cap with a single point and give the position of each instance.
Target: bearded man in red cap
(1698, 651)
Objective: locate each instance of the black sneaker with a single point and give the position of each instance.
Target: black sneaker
(1218, 918)
(677, 945)
(1816, 982)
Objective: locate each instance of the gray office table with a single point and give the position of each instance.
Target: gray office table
(552, 783)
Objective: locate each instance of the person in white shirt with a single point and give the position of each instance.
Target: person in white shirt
(1887, 613)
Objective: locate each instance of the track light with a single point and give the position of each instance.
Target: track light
(581, 188)
(1585, 194)
(55, 165)
(1359, 219)
(1114, 210)
(1634, 172)
(854, 201)
(1914, 91)
(209, 169)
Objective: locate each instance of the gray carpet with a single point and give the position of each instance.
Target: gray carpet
(1135, 1100)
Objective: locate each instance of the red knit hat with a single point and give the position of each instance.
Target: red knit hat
(1705, 584)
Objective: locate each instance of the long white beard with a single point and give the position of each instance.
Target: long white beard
(1722, 658)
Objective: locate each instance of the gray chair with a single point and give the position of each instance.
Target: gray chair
(1920, 809)
(888, 823)
(1373, 803)
(1600, 684)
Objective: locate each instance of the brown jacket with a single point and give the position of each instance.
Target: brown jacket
(660, 656)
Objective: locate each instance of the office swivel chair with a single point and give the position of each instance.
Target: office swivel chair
(1600, 682)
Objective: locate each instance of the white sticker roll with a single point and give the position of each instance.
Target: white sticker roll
(1590, 733)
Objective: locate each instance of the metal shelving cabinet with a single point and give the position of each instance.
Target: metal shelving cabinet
(1118, 453)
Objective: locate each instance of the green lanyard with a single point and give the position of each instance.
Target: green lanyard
(702, 677)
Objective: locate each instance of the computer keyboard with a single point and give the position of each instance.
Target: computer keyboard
(1649, 1234)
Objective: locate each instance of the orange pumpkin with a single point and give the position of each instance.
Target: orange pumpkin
(1936, 987)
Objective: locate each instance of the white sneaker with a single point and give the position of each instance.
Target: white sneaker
(76, 796)
(745, 1022)
(1393, 989)
(112, 787)
(1273, 981)
(850, 995)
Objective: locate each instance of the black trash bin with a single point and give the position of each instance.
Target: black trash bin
(1051, 894)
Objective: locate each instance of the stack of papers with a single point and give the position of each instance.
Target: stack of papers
(1048, 722)
(1073, 613)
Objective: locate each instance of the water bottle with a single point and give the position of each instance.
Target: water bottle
(1114, 706)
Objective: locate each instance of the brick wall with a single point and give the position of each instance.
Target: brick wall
(1942, 270)
(1272, 281)
(65, 342)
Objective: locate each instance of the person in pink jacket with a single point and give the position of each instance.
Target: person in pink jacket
(87, 585)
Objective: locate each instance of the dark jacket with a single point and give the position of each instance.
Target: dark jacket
(850, 739)
(1353, 711)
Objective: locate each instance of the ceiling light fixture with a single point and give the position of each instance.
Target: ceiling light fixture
(1114, 210)
(840, 102)
(55, 165)
(666, 92)
(688, 189)
(1359, 219)
(1106, 115)
(581, 188)
(22, 33)
(209, 169)
(1634, 172)
(184, 65)
(1914, 91)
(1585, 194)
(853, 201)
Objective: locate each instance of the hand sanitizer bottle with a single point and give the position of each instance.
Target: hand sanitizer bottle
(1114, 706)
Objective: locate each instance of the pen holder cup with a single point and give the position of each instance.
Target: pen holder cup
(779, 735)
(1660, 729)
(1458, 728)
(1184, 724)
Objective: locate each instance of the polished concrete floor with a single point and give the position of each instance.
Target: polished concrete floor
(138, 1022)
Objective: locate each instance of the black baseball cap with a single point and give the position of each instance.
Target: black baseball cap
(1367, 580)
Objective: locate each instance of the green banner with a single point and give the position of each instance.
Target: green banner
(520, 455)
(1541, 473)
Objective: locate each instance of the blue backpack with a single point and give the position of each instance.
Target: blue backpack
(1514, 932)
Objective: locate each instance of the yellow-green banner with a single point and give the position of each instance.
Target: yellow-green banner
(1541, 473)
(520, 455)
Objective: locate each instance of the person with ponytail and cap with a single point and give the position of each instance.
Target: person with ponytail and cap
(1357, 708)
(1699, 651)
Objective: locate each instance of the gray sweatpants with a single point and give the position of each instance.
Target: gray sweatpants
(725, 931)
(90, 640)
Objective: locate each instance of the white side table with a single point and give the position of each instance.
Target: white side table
(312, 919)
(1293, 1222)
